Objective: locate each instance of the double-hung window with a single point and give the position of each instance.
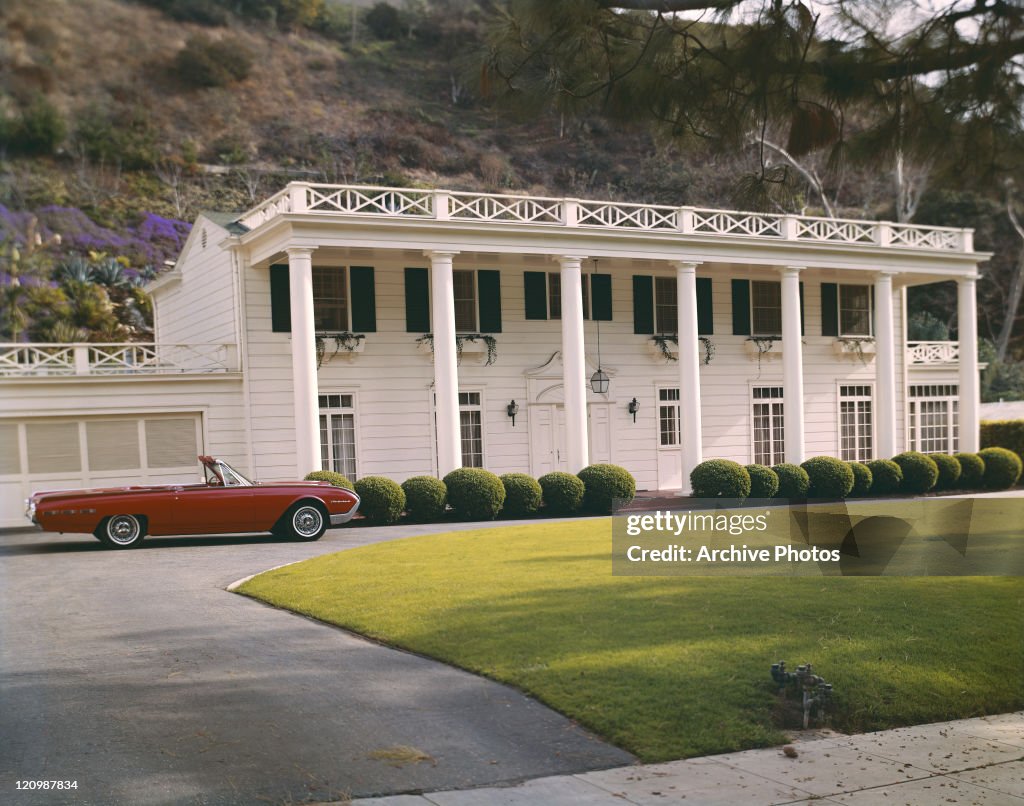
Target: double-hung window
(855, 423)
(668, 418)
(464, 286)
(765, 308)
(666, 305)
(555, 295)
(769, 432)
(330, 299)
(933, 418)
(471, 434)
(338, 434)
(854, 310)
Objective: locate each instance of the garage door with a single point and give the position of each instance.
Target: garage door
(63, 453)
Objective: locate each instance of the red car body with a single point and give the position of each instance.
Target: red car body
(225, 503)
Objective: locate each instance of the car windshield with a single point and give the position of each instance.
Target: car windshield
(221, 474)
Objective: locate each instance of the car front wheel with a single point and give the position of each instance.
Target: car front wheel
(305, 521)
(121, 531)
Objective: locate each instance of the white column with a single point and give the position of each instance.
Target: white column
(304, 385)
(792, 366)
(574, 365)
(885, 368)
(446, 374)
(967, 328)
(691, 450)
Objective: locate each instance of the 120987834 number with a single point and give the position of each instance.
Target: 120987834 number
(47, 784)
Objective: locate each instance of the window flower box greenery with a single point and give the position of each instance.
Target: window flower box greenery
(329, 345)
(478, 344)
(666, 346)
(860, 346)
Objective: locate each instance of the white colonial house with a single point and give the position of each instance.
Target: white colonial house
(405, 332)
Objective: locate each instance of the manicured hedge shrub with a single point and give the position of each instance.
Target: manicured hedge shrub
(562, 493)
(425, 497)
(475, 494)
(1002, 468)
(793, 481)
(830, 477)
(382, 499)
(949, 470)
(602, 484)
(336, 479)
(764, 482)
(972, 470)
(522, 494)
(919, 472)
(886, 476)
(720, 478)
(861, 479)
(1007, 434)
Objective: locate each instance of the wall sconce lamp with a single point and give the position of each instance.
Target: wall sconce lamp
(633, 408)
(512, 409)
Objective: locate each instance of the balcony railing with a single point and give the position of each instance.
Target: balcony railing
(41, 360)
(932, 353)
(444, 205)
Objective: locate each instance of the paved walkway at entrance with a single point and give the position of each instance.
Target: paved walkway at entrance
(970, 761)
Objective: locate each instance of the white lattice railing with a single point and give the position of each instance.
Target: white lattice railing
(443, 205)
(920, 353)
(32, 360)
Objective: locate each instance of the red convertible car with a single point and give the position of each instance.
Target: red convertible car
(225, 503)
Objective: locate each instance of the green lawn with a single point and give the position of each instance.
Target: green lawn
(669, 667)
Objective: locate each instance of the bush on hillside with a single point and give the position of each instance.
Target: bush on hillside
(830, 477)
(861, 479)
(603, 484)
(382, 501)
(474, 493)
(562, 493)
(1002, 468)
(972, 470)
(920, 473)
(793, 481)
(204, 62)
(764, 482)
(425, 497)
(336, 479)
(720, 478)
(886, 476)
(523, 494)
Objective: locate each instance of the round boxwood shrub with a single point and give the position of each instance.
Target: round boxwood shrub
(562, 493)
(720, 478)
(886, 476)
(949, 470)
(425, 497)
(919, 471)
(474, 493)
(793, 481)
(764, 482)
(1002, 468)
(602, 484)
(382, 500)
(522, 494)
(972, 470)
(861, 479)
(830, 477)
(336, 479)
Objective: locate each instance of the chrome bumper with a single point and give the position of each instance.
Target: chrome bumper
(338, 520)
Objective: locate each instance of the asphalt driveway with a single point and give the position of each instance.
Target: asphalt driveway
(137, 675)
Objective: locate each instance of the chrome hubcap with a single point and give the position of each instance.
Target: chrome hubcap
(123, 529)
(307, 521)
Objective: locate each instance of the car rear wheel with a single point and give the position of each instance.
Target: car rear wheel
(305, 521)
(122, 531)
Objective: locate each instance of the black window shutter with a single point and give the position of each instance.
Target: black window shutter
(829, 309)
(801, 308)
(705, 311)
(364, 300)
(488, 285)
(601, 297)
(535, 292)
(417, 301)
(280, 299)
(643, 304)
(741, 307)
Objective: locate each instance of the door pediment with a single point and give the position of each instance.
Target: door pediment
(544, 383)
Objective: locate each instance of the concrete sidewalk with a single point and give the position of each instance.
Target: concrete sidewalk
(970, 761)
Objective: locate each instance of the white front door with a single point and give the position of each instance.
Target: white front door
(547, 439)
